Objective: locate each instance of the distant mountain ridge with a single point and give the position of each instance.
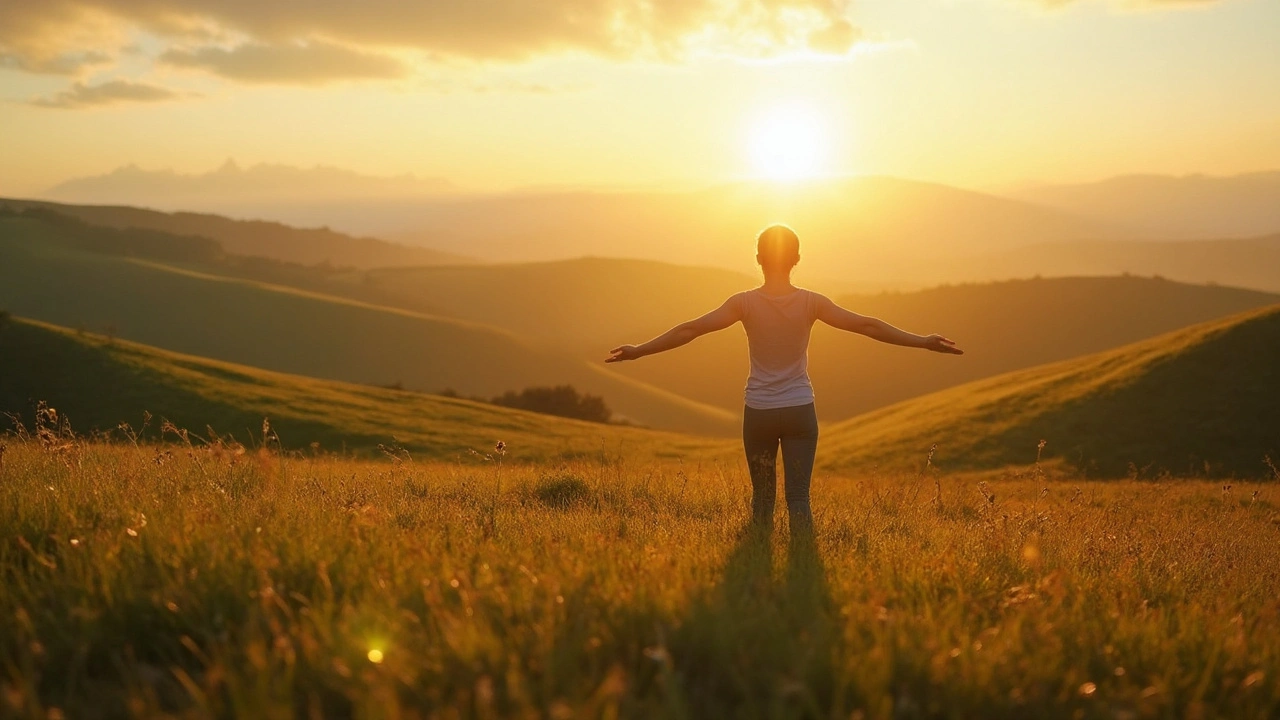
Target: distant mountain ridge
(1166, 207)
(232, 184)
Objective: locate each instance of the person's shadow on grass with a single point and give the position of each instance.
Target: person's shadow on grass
(756, 646)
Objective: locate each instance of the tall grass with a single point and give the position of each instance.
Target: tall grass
(217, 580)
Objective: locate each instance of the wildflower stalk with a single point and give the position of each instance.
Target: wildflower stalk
(501, 451)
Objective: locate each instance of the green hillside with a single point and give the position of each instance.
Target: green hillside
(1202, 400)
(98, 383)
(589, 305)
(46, 277)
(255, 238)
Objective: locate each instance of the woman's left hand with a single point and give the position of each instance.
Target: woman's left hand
(621, 353)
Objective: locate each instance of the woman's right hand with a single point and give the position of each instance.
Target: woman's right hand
(939, 344)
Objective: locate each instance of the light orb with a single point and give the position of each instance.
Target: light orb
(788, 142)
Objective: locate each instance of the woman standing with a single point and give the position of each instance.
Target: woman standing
(779, 397)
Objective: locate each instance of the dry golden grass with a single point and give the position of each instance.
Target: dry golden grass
(141, 581)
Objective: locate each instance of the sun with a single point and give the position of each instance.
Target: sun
(788, 142)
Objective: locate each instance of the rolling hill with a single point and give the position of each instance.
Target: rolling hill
(1170, 207)
(581, 305)
(855, 229)
(45, 277)
(590, 305)
(255, 238)
(847, 226)
(586, 306)
(1194, 402)
(568, 313)
(97, 383)
(1245, 262)
(1002, 327)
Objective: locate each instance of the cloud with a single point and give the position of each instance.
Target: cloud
(301, 63)
(835, 39)
(279, 37)
(107, 93)
(55, 38)
(67, 63)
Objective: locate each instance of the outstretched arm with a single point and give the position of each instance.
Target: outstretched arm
(876, 329)
(682, 334)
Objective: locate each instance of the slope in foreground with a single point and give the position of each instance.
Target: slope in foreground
(99, 383)
(1204, 400)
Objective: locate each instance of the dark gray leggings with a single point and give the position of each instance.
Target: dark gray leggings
(796, 430)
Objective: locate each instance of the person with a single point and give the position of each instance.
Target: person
(779, 407)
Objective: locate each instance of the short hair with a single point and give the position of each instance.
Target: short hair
(778, 246)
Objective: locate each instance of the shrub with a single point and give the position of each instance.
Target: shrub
(562, 400)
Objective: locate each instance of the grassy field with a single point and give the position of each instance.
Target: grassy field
(150, 580)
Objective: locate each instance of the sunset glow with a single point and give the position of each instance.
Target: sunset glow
(788, 143)
(976, 94)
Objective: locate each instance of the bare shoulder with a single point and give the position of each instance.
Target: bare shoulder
(817, 304)
(818, 300)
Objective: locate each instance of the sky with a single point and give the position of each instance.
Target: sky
(501, 94)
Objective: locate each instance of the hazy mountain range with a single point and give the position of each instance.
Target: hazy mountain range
(239, 190)
(850, 225)
(1173, 208)
(863, 232)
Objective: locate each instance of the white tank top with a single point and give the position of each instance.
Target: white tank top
(778, 339)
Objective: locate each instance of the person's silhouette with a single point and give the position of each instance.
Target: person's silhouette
(779, 409)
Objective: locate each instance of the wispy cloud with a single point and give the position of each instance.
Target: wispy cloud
(323, 40)
(107, 93)
(67, 63)
(301, 63)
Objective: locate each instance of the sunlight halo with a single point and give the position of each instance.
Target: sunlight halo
(788, 142)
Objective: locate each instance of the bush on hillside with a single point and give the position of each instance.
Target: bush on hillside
(562, 400)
